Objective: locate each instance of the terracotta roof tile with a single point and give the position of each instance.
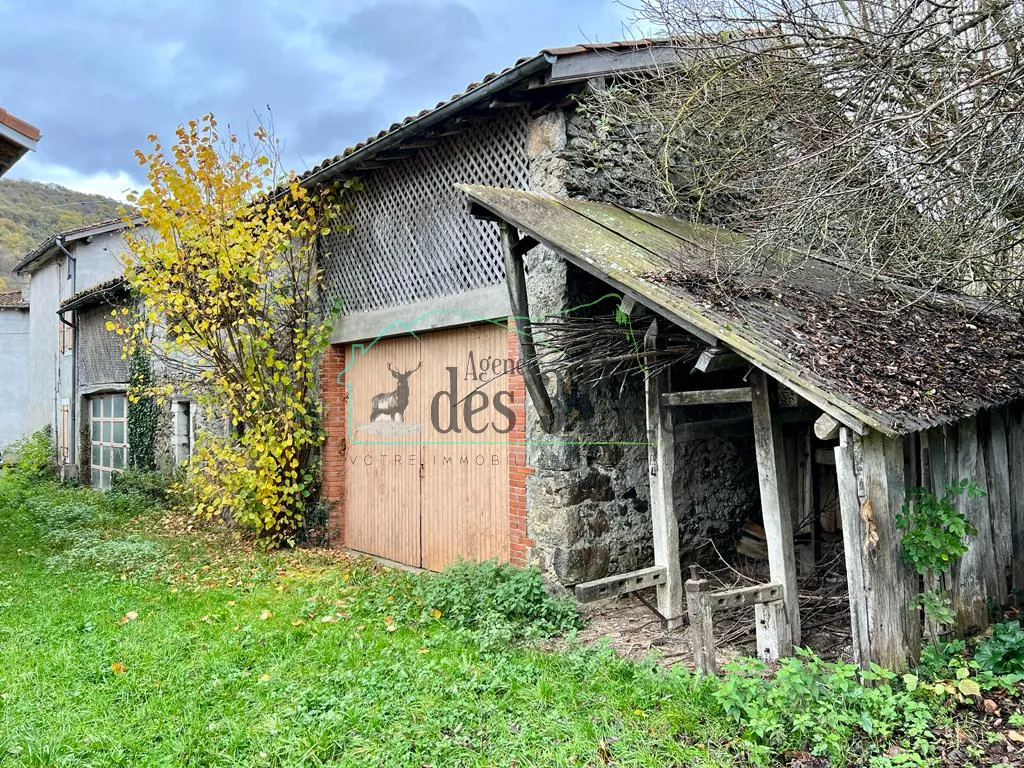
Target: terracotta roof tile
(12, 300)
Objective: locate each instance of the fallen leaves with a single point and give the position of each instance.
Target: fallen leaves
(118, 668)
(265, 614)
(128, 617)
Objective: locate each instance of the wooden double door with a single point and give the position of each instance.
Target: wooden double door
(426, 470)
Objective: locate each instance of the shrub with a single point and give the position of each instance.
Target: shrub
(497, 597)
(33, 454)
(1003, 652)
(149, 486)
(822, 707)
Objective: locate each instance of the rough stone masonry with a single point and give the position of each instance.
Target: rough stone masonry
(588, 498)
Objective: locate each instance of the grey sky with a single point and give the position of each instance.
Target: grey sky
(97, 77)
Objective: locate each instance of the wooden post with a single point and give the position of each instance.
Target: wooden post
(515, 275)
(998, 488)
(891, 587)
(702, 634)
(778, 520)
(1016, 467)
(770, 620)
(970, 591)
(856, 547)
(661, 466)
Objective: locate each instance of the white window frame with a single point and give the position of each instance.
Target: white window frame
(108, 437)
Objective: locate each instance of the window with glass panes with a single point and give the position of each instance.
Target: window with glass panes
(109, 434)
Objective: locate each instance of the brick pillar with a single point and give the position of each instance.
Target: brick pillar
(518, 471)
(335, 404)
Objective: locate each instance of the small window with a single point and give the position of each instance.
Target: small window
(181, 437)
(109, 433)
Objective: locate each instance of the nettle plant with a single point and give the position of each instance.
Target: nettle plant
(227, 279)
(935, 535)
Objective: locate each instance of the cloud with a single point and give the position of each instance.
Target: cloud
(112, 185)
(98, 77)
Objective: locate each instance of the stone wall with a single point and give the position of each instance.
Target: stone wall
(588, 499)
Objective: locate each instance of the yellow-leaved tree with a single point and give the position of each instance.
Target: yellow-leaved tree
(227, 276)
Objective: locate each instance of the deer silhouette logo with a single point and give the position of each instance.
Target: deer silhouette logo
(393, 403)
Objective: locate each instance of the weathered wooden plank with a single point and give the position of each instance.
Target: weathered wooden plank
(769, 619)
(620, 584)
(826, 427)
(718, 359)
(778, 519)
(891, 587)
(702, 631)
(571, 236)
(1015, 428)
(856, 546)
(743, 597)
(707, 397)
(515, 274)
(661, 463)
(998, 487)
(970, 593)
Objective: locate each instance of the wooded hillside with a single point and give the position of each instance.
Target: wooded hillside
(31, 211)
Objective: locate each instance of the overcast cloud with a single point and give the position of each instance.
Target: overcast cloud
(97, 77)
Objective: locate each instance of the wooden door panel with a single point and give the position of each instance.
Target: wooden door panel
(382, 474)
(465, 475)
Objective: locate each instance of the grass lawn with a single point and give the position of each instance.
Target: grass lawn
(126, 639)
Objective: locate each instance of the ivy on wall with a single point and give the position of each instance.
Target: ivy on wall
(142, 412)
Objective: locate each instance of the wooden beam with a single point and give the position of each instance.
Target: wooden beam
(892, 587)
(515, 275)
(707, 397)
(856, 546)
(998, 488)
(743, 597)
(1016, 461)
(620, 584)
(718, 359)
(524, 246)
(970, 574)
(661, 465)
(702, 631)
(826, 427)
(775, 504)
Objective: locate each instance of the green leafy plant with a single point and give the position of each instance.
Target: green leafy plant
(934, 538)
(142, 412)
(33, 455)
(498, 597)
(1003, 652)
(834, 710)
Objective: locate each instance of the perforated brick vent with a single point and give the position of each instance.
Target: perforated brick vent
(412, 238)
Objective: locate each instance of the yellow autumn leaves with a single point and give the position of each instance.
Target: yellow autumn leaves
(228, 276)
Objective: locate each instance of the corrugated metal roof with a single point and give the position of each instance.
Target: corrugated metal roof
(890, 356)
(412, 125)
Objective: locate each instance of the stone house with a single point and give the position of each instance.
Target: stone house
(421, 283)
(78, 375)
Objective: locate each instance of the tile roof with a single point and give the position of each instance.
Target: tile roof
(113, 289)
(523, 69)
(883, 354)
(12, 300)
(49, 247)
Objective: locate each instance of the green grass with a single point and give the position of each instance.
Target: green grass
(127, 640)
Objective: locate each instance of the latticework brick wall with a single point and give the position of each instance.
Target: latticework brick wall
(412, 238)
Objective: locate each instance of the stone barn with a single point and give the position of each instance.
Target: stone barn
(463, 469)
